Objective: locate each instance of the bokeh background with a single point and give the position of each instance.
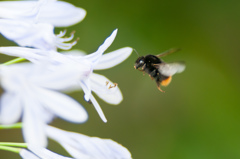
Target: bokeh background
(198, 117)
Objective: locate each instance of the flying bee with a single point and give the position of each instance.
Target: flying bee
(157, 69)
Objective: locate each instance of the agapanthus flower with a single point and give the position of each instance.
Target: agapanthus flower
(84, 147)
(31, 23)
(98, 82)
(36, 152)
(57, 13)
(101, 85)
(30, 93)
(33, 92)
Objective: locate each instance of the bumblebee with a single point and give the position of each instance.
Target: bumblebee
(157, 69)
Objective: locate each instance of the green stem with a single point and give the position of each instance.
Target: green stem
(14, 144)
(16, 60)
(12, 149)
(12, 126)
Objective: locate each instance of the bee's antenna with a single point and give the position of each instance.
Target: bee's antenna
(136, 52)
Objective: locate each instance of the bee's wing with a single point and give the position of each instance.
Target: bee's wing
(169, 69)
(168, 52)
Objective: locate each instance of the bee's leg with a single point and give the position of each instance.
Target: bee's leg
(158, 85)
(151, 77)
(140, 70)
(160, 89)
(143, 69)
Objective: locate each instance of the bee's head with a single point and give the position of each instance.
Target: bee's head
(139, 62)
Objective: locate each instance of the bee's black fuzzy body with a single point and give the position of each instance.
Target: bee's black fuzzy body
(148, 64)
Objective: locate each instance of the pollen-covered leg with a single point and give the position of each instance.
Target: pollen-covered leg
(158, 86)
(143, 69)
(160, 89)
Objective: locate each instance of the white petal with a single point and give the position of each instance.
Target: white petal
(101, 88)
(74, 52)
(94, 57)
(45, 153)
(29, 34)
(11, 108)
(66, 139)
(33, 123)
(25, 154)
(19, 10)
(62, 77)
(98, 108)
(62, 105)
(85, 85)
(118, 149)
(113, 58)
(61, 14)
(12, 77)
(74, 88)
(34, 55)
(82, 146)
(40, 56)
(52, 12)
(73, 151)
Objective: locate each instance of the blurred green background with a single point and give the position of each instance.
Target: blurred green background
(198, 115)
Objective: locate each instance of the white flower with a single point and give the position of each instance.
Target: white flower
(31, 23)
(30, 93)
(94, 82)
(99, 84)
(36, 152)
(37, 35)
(57, 13)
(84, 147)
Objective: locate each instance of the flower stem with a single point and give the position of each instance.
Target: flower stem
(12, 149)
(16, 60)
(12, 126)
(14, 144)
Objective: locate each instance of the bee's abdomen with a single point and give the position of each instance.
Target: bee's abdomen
(166, 81)
(162, 79)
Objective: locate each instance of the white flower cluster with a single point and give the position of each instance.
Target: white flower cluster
(33, 91)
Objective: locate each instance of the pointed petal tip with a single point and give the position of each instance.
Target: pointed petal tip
(102, 116)
(83, 119)
(104, 120)
(128, 50)
(114, 33)
(82, 14)
(116, 102)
